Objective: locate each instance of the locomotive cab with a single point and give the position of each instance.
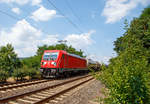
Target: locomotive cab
(49, 63)
(49, 58)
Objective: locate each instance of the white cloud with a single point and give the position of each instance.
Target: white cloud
(25, 38)
(20, 2)
(80, 41)
(101, 59)
(106, 59)
(16, 10)
(43, 14)
(36, 2)
(115, 10)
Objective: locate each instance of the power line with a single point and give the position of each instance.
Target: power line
(69, 6)
(22, 9)
(9, 15)
(25, 17)
(15, 18)
(73, 24)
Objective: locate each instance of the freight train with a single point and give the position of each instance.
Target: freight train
(58, 62)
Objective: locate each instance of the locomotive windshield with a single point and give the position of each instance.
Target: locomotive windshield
(50, 56)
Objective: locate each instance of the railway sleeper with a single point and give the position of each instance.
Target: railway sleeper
(24, 101)
(48, 97)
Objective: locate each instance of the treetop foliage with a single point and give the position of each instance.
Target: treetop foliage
(8, 58)
(8, 61)
(128, 75)
(69, 49)
(139, 29)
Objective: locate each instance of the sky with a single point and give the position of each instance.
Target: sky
(90, 25)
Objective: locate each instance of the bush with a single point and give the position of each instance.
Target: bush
(127, 78)
(3, 75)
(19, 74)
(128, 75)
(33, 73)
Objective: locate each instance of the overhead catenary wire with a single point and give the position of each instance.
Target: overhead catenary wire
(22, 9)
(9, 15)
(27, 16)
(18, 19)
(71, 22)
(73, 12)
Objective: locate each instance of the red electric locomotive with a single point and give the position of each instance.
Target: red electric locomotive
(59, 62)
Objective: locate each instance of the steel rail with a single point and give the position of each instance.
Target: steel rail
(23, 84)
(12, 83)
(14, 97)
(60, 93)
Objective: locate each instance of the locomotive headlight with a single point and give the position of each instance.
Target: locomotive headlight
(53, 63)
(44, 63)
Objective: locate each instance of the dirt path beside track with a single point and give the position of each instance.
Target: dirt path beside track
(86, 94)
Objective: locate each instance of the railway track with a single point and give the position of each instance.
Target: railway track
(16, 85)
(19, 82)
(47, 94)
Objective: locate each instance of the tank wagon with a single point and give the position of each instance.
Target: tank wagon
(58, 62)
(93, 65)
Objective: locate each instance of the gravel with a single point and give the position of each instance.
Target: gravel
(29, 88)
(86, 94)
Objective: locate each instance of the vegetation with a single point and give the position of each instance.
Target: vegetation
(128, 75)
(69, 49)
(8, 61)
(33, 73)
(3, 75)
(19, 74)
(32, 62)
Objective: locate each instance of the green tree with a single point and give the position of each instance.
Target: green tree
(140, 28)
(128, 75)
(8, 59)
(69, 49)
(32, 62)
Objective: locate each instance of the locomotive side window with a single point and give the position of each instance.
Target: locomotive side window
(50, 56)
